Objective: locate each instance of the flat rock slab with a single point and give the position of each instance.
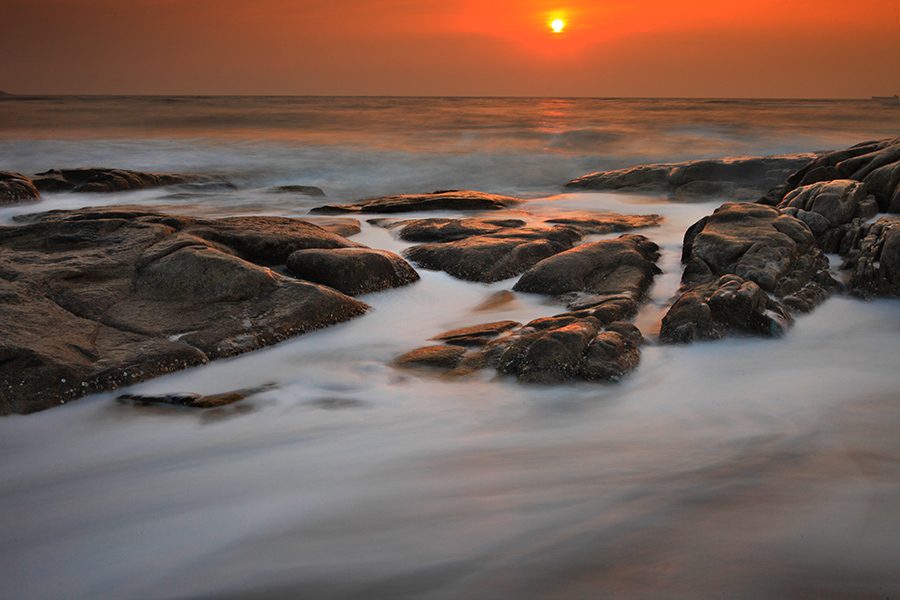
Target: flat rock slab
(440, 200)
(16, 189)
(98, 298)
(100, 180)
(446, 230)
(734, 177)
(603, 223)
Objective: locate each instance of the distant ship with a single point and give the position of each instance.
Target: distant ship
(892, 99)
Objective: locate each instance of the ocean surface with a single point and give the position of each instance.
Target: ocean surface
(744, 468)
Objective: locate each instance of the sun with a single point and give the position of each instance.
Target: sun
(557, 25)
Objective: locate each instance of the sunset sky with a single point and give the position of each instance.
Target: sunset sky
(688, 48)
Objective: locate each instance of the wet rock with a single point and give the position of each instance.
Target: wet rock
(478, 335)
(16, 189)
(609, 357)
(188, 400)
(874, 261)
(447, 230)
(439, 200)
(95, 299)
(99, 180)
(734, 259)
(603, 223)
(342, 226)
(493, 257)
(624, 267)
(736, 177)
(875, 163)
(827, 205)
(443, 357)
(551, 355)
(306, 190)
(352, 271)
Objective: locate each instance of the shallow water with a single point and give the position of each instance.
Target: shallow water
(743, 468)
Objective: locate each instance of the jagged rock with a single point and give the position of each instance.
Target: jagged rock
(15, 189)
(827, 205)
(735, 177)
(306, 190)
(98, 298)
(620, 267)
(439, 200)
(493, 257)
(352, 271)
(732, 259)
(876, 164)
(874, 261)
(111, 180)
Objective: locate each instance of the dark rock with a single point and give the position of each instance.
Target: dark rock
(627, 329)
(874, 261)
(16, 189)
(736, 177)
(99, 298)
(610, 356)
(342, 226)
(487, 330)
(306, 190)
(447, 230)
(439, 200)
(352, 270)
(623, 267)
(111, 180)
(827, 205)
(443, 357)
(188, 400)
(549, 356)
(489, 258)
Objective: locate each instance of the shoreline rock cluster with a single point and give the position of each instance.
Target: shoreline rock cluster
(97, 298)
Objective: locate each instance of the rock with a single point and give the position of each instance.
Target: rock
(16, 189)
(609, 357)
(111, 180)
(439, 200)
(188, 400)
(827, 205)
(447, 230)
(352, 271)
(734, 259)
(444, 357)
(493, 257)
(603, 223)
(549, 356)
(306, 190)
(876, 164)
(874, 261)
(735, 177)
(478, 335)
(130, 294)
(342, 226)
(621, 267)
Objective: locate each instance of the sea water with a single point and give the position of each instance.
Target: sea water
(743, 468)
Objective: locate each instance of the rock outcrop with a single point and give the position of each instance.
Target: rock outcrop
(94, 299)
(352, 271)
(99, 180)
(734, 178)
(734, 259)
(874, 259)
(16, 189)
(438, 200)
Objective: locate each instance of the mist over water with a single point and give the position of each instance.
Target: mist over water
(743, 468)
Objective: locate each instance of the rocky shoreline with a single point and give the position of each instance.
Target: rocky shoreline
(98, 298)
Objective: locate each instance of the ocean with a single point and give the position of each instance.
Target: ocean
(742, 468)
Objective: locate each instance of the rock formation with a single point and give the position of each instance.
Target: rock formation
(112, 180)
(16, 189)
(438, 200)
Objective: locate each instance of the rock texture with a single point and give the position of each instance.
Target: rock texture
(351, 270)
(111, 180)
(735, 178)
(439, 200)
(16, 189)
(874, 259)
(97, 298)
(734, 259)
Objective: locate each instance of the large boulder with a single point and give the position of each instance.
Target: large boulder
(351, 270)
(440, 200)
(97, 298)
(734, 259)
(828, 205)
(16, 189)
(112, 180)
(735, 177)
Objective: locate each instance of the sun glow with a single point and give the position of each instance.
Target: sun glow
(557, 25)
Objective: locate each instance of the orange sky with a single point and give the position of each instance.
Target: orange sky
(691, 48)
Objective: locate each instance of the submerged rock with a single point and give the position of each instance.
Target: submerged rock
(735, 177)
(306, 190)
(94, 299)
(111, 180)
(16, 189)
(439, 200)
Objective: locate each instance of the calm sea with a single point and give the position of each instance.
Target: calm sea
(745, 468)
